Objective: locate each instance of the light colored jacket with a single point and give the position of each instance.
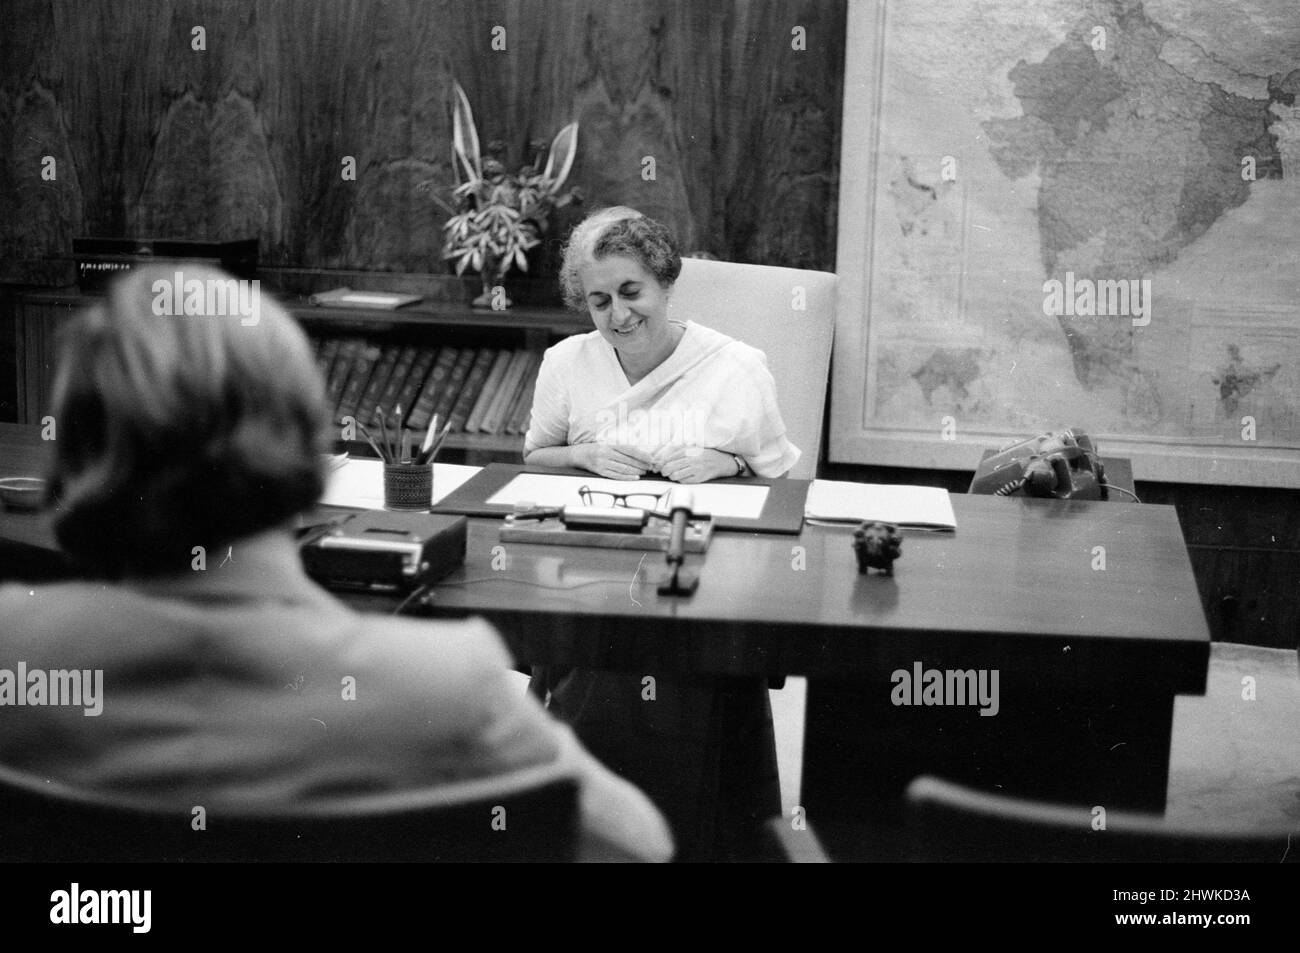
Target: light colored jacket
(247, 682)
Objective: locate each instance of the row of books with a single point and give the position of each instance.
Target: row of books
(479, 390)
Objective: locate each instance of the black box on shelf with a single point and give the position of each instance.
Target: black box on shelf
(100, 259)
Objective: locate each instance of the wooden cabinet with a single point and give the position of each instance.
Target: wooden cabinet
(36, 322)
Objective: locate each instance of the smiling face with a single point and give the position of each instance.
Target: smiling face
(628, 306)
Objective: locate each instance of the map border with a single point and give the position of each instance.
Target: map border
(852, 440)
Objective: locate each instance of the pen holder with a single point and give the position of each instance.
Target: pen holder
(408, 486)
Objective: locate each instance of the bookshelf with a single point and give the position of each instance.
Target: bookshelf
(429, 327)
(477, 367)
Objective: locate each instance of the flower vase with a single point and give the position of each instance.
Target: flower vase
(489, 301)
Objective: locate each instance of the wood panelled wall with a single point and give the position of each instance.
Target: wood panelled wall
(153, 138)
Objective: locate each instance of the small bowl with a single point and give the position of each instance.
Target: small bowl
(22, 493)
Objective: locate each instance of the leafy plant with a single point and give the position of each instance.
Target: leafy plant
(496, 216)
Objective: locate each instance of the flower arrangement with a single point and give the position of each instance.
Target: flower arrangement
(498, 216)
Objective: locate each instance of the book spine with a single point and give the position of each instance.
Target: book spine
(498, 371)
(378, 381)
(455, 383)
(414, 381)
(469, 393)
(422, 410)
(340, 373)
(363, 365)
(512, 406)
(495, 418)
(522, 415)
(329, 350)
(402, 370)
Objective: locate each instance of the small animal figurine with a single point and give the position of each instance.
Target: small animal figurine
(877, 546)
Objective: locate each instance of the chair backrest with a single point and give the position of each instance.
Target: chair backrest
(950, 822)
(530, 815)
(758, 304)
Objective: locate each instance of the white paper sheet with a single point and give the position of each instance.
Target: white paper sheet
(919, 506)
(545, 489)
(360, 483)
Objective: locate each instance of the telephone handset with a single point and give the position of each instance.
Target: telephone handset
(1063, 464)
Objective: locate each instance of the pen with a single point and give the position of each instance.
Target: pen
(371, 440)
(429, 455)
(428, 437)
(383, 430)
(437, 444)
(397, 433)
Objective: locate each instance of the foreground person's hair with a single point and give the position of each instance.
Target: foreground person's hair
(175, 431)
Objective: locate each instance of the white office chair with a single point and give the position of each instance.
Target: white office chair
(759, 304)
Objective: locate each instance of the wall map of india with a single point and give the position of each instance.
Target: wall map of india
(1089, 204)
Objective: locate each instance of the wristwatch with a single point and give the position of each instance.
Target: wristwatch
(740, 464)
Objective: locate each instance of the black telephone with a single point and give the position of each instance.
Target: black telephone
(1063, 464)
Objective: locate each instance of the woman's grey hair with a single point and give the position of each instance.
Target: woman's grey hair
(618, 231)
(181, 430)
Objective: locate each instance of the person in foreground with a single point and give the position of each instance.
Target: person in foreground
(225, 668)
(644, 394)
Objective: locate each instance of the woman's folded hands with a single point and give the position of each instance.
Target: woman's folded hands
(694, 464)
(681, 464)
(614, 461)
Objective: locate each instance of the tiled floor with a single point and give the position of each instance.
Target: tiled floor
(1234, 758)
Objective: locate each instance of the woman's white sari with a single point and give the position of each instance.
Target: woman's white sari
(712, 392)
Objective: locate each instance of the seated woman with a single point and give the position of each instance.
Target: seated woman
(186, 446)
(646, 394)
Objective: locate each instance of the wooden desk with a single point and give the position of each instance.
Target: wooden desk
(1088, 660)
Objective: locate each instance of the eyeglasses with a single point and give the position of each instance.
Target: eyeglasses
(644, 501)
